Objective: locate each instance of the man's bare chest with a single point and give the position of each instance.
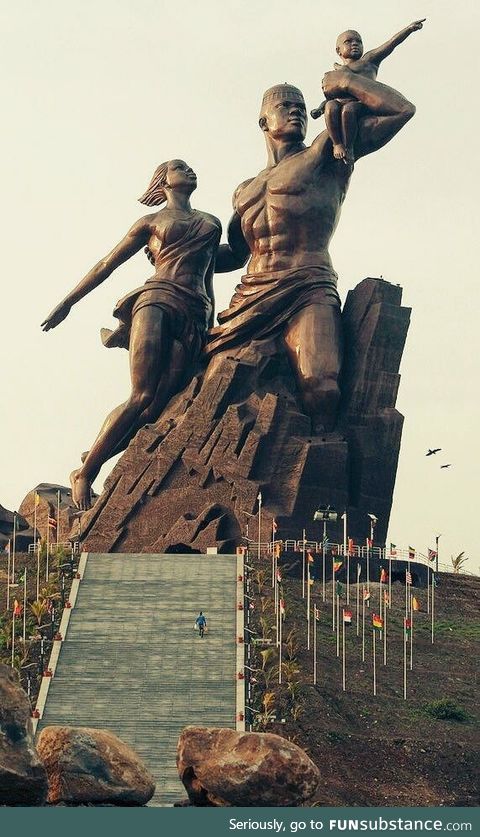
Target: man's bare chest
(289, 180)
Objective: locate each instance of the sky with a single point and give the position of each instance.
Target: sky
(96, 94)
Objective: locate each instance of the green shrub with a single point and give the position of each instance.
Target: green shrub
(445, 710)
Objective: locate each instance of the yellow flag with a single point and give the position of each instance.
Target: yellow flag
(415, 604)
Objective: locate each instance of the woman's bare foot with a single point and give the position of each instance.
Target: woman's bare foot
(339, 151)
(81, 490)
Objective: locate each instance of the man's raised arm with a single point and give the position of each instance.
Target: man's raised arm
(388, 110)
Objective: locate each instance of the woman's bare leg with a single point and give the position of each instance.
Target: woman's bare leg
(150, 347)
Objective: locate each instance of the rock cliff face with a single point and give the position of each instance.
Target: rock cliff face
(186, 481)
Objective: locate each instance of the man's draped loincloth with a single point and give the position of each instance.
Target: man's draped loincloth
(264, 302)
(188, 311)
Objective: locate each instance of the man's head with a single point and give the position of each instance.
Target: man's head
(349, 45)
(283, 114)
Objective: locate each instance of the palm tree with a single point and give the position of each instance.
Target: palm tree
(458, 562)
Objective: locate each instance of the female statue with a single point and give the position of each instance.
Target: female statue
(164, 323)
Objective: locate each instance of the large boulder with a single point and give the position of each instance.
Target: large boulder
(23, 780)
(221, 767)
(92, 766)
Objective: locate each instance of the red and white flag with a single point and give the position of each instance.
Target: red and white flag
(408, 577)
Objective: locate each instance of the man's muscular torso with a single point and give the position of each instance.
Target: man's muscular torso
(289, 212)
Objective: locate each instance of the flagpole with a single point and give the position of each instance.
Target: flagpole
(8, 574)
(308, 605)
(390, 580)
(428, 589)
(346, 554)
(34, 520)
(315, 612)
(363, 623)
(374, 667)
(24, 604)
(280, 647)
(404, 658)
(303, 566)
(359, 569)
(48, 541)
(274, 584)
(14, 544)
(324, 547)
(259, 498)
(433, 607)
(13, 636)
(39, 547)
(411, 633)
(333, 594)
(343, 653)
(338, 626)
(58, 515)
(385, 635)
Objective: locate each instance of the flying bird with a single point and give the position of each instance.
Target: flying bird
(446, 466)
(431, 452)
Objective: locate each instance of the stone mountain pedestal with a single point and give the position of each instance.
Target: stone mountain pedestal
(186, 481)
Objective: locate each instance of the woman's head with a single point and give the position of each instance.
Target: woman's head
(170, 176)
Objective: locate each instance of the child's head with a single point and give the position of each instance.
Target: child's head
(349, 45)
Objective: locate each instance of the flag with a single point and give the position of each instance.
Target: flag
(310, 557)
(415, 603)
(411, 553)
(408, 577)
(407, 624)
(325, 541)
(377, 621)
(282, 607)
(279, 576)
(366, 597)
(350, 546)
(52, 522)
(393, 549)
(17, 608)
(316, 613)
(386, 597)
(7, 547)
(432, 554)
(359, 571)
(37, 498)
(274, 526)
(383, 576)
(277, 549)
(337, 565)
(347, 617)
(310, 581)
(339, 588)
(369, 542)
(21, 578)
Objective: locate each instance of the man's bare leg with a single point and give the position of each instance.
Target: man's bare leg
(314, 346)
(150, 344)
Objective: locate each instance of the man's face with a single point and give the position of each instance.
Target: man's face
(285, 119)
(349, 45)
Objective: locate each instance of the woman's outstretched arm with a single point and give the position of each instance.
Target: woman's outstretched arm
(134, 240)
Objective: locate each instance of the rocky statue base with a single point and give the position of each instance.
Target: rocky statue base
(186, 482)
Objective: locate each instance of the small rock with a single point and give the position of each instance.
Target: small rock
(222, 767)
(92, 766)
(23, 780)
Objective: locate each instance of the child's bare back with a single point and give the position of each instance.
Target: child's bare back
(341, 115)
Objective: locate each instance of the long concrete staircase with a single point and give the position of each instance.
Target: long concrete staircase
(131, 662)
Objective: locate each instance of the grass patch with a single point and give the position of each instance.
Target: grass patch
(445, 710)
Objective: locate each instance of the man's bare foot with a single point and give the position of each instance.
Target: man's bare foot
(339, 151)
(81, 490)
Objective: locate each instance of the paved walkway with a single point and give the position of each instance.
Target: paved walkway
(132, 663)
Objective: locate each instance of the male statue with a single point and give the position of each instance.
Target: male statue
(284, 219)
